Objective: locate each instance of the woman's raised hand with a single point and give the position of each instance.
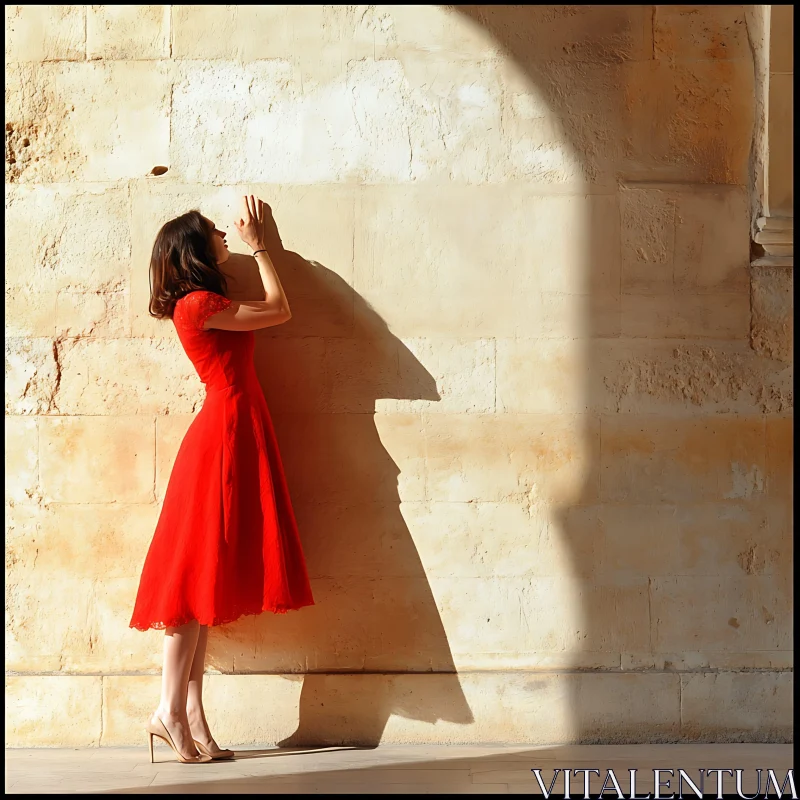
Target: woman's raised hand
(252, 224)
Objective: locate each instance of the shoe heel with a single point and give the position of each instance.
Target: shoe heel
(150, 743)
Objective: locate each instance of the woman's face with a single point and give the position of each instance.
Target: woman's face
(218, 246)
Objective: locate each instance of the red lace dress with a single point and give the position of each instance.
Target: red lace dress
(226, 543)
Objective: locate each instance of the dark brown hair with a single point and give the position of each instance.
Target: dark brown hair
(182, 262)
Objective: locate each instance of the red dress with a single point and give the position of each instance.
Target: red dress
(226, 543)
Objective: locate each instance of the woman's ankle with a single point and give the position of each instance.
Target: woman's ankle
(170, 712)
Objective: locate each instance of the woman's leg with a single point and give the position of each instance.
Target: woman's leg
(179, 648)
(194, 702)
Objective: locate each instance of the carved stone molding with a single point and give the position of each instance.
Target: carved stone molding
(776, 236)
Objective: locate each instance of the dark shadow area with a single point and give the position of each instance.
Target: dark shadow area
(322, 374)
(508, 767)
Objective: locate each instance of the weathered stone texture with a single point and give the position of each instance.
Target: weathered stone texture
(700, 33)
(730, 706)
(67, 237)
(127, 32)
(733, 614)
(681, 460)
(53, 711)
(111, 459)
(645, 376)
(45, 33)
(689, 241)
(158, 378)
(772, 326)
(22, 459)
(32, 375)
(49, 138)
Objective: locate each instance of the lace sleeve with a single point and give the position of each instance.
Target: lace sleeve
(195, 308)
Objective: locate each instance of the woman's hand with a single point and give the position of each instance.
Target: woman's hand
(252, 225)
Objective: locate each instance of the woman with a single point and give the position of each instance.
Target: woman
(226, 543)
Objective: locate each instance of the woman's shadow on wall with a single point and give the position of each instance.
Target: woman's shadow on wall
(375, 619)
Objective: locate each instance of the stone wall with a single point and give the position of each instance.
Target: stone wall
(542, 476)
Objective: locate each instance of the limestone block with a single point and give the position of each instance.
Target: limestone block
(261, 105)
(684, 241)
(158, 378)
(526, 458)
(437, 539)
(540, 614)
(698, 539)
(96, 314)
(22, 459)
(293, 373)
(127, 701)
(111, 459)
(333, 35)
(753, 612)
(29, 314)
(543, 376)
(32, 375)
(686, 121)
(536, 144)
(44, 631)
(451, 238)
(53, 711)
(45, 33)
(119, 648)
(700, 32)
(733, 539)
(412, 314)
(443, 118)
(352, 457)
(738, 706)
(170, 430)
(772, 327)
(474, 707)
(93, 540)
(712, 247)
(641, 376)
(779, 458)
(426, 29)
(93, 121)
(63, 237)
(486, 706)
(373, 624)
(649, 459)
(404, 376)
(686, 316)
(127, 32)
(585, 34)
(648, 239)
(242, 33)
(90, 633)
(374, 121)
(314, 221)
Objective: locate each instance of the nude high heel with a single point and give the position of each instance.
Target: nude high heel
(161, 731)
(216, 756)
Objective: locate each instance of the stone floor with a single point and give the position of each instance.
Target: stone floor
(391, 769)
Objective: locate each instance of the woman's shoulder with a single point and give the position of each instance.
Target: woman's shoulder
(196, 306)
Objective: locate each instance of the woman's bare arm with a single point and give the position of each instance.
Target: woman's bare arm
(249, 315)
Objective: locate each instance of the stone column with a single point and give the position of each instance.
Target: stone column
(775, 227)
(771, 321)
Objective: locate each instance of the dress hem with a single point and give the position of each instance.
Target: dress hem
(216, 621)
